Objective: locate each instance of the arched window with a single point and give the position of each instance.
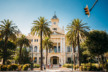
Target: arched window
(31, 47)
(55, 49)
(35, 49)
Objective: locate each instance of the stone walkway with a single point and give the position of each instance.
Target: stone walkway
(55, 70)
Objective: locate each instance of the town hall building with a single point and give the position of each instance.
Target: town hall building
(61, 52)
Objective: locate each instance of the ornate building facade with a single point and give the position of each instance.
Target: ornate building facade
(60, 54)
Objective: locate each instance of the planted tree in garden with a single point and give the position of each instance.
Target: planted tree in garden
(71, 38)
(97, 43)
(80, 31)
(10, 50)
(47, 44)
(25, 56)
(8, 32)
(22, 42)
(40, 28)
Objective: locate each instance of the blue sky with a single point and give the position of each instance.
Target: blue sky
(24, 12)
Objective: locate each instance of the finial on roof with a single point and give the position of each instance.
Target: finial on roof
(54, 17)
(54, 12)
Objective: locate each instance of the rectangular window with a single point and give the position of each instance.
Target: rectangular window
(35, 60)
(35, 49)
(31, 48)
(40, 59)
(50, 50)
(68, 49)
(58, 48)
(31, 40)
(35, 40)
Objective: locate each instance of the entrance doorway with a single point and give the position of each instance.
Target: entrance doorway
(54, 60)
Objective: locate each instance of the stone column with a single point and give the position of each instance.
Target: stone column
(61, 46)
(64, 44)
(64, 52)
(38, 49)
(57, 47)
(37, 60)
(33, 48)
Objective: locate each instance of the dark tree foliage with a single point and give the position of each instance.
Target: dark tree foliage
(97, 42)
(41, 28)
(21, 42)
(85, 54)
(10, 50)
(8, 31)
(25, 57)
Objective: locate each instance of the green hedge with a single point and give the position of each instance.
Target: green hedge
(106, 66)
(15, 67)
(3, 68)
(36, 65)
(12, 67)
(85, 67)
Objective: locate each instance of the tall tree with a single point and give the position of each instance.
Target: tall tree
(25, 56)
(80, 31)
(71, 38)
(40, 27)
(21, 42)
(47, 44)
(97, 43)
(8, 31)
(10, 50)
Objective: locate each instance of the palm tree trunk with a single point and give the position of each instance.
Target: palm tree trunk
(5, 50)
(78, 42)
(41, 49)
(20, 54)
(98, 61)
(102, 61)
(73, 54)
(46, 55)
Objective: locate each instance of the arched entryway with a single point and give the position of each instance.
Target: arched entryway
(54, 60)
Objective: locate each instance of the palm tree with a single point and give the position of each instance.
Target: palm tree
(80, 31)
(71, 37)
(8, 31)
(21, 42)
(47, 45)
(25, 56)
(40, 27)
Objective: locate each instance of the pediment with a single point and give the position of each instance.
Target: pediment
(57, 33)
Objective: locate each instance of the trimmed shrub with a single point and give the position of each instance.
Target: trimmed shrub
(67, 65)
(3, 68)
(0, 67)
(25, 67)
(93, 68)
(36, 65)
(12, 67)
(106, 66)
(20, 67)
